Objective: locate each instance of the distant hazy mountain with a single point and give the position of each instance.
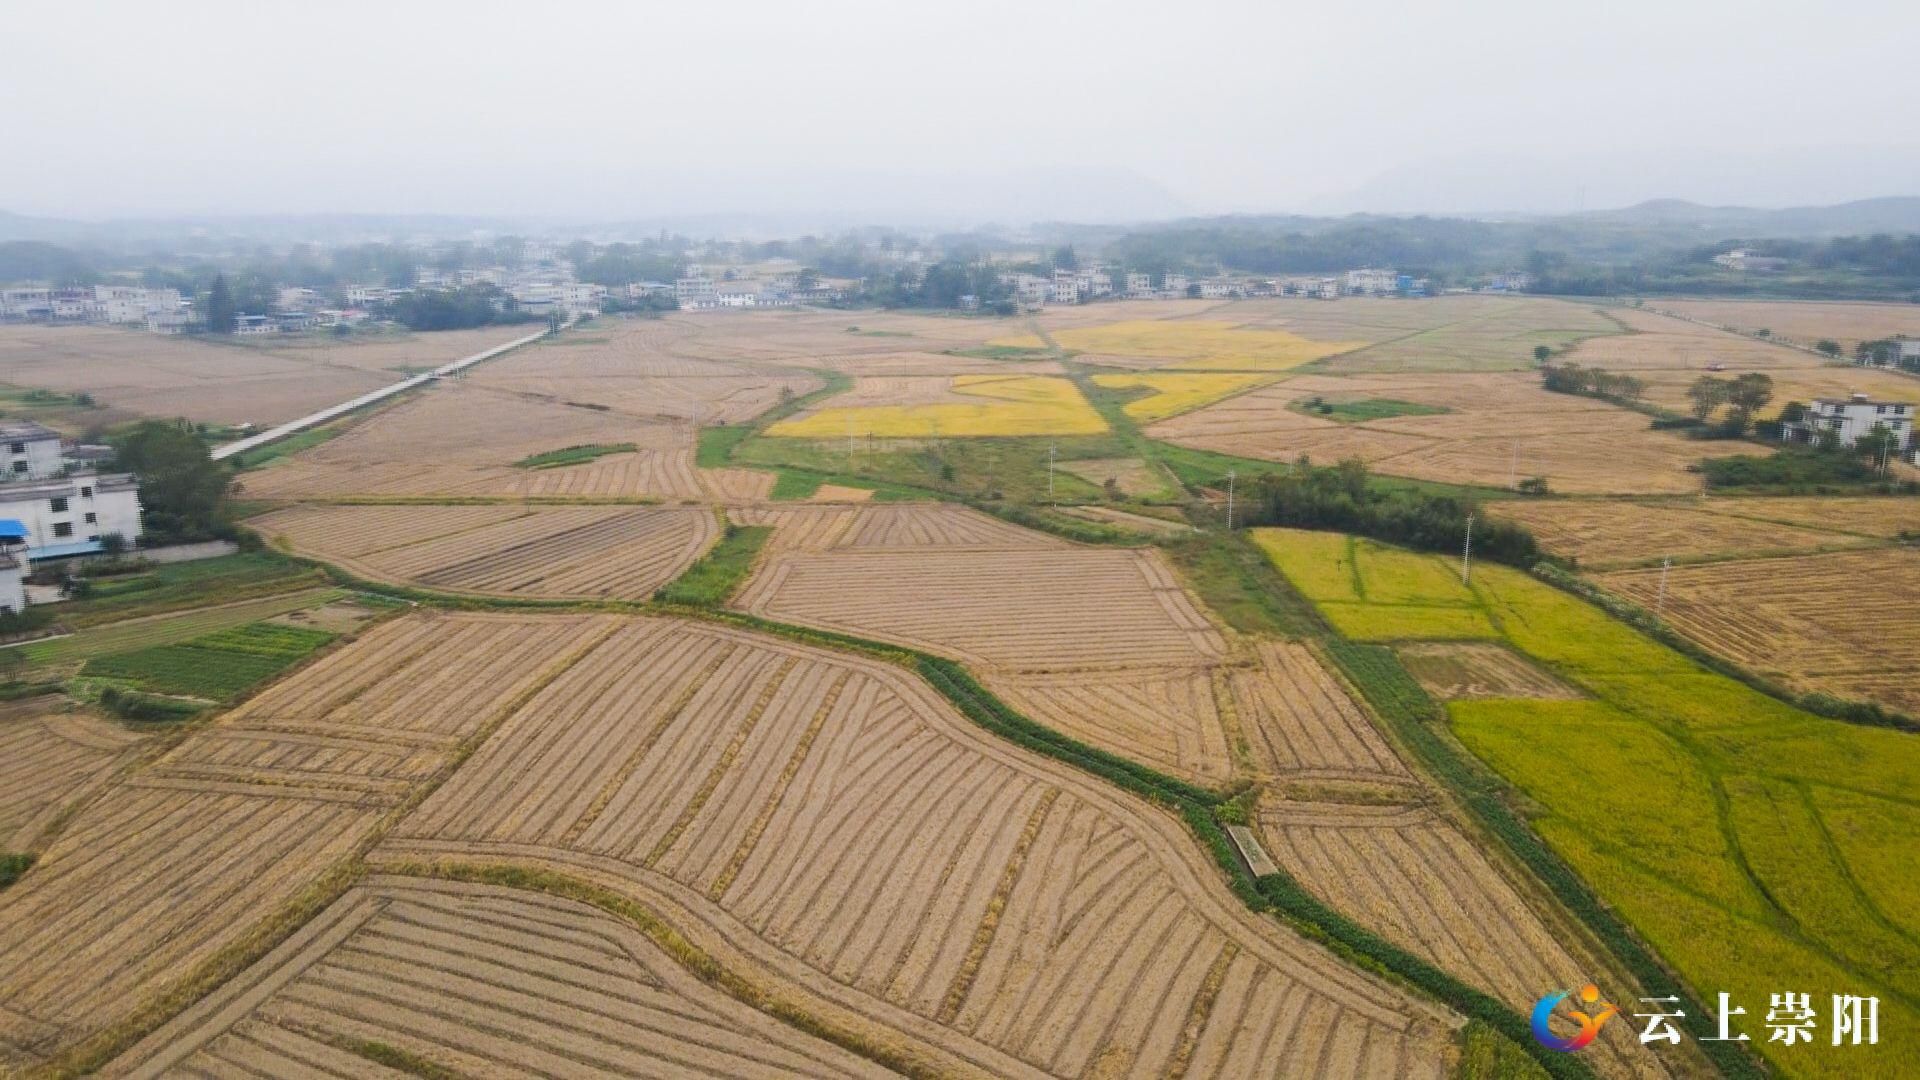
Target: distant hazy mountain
(1894, 214)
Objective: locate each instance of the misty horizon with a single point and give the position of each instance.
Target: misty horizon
(866, 112)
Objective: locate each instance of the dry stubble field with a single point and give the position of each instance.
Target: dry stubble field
(1615, 533)
(1805, 321)
(49, 759)
(778, 806)
(175, 860)
(1842, 623)
(223, 382)
(462, 439)
(1496, 427)
(610, 552)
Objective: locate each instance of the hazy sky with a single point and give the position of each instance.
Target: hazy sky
(1063, 109)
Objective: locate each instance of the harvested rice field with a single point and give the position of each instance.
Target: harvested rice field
(601, 552)
(1084, 607)
(175, 860)
(1662, 343)
(1164, 717)
(462, 439)
(1190, 345)
(1451, 670)
(479, 979)
(1840, 623)
(958, 406)
(767, 801)
(934, 528)
(1443, 333)
(1497, 428)
(131, 371)
(1613, 533)
(1804, 322)
(49, 759)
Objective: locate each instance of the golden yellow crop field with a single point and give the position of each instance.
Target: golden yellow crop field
(1754, 844)
(1198, 345)
(1175, 393)
(1009, 405)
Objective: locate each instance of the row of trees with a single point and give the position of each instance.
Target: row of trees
(455, 309)
(1343, 497)
(942, 286)
(1571, 378)
(1743, 396)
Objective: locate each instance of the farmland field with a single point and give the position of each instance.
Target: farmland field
(214, 666)
(133, 372)
(955, 407)
(175, 860)
(1604, 533)
(1710, 793)
(1196, 345)
(1804, 322)
(604, 551)
(48, 758)
(423, 447)
(482, 979)
(1446, 333)
(1015, 918)
(1490, 429)
(1842, 623)
(1172, 393)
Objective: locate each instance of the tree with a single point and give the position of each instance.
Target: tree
(1541, 353)
(1828, 346)
(1707, 394)
(1877, 445)
(1746, 395)
(1065, 259)
(220, 309)
(183, 491)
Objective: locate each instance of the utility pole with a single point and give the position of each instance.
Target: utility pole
(1513, 474)
(1660, 598)
(1466, 551)
(1052, 449)
(1229, 500)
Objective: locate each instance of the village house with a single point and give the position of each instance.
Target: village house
(1853, 418)
(64, 504)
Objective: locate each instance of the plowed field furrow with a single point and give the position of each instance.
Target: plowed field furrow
(1028, 609)
(46, 762)
(869, 844)
(458, 993)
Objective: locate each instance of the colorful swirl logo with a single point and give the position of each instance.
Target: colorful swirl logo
(1589, 1024)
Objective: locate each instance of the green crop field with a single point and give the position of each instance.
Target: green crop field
(1759, 848)
(217, 666)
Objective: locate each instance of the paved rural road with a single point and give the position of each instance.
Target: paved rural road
(346, 407)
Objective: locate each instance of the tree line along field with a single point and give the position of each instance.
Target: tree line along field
(1488, 429)
(142, 374)
(1748, 841)
(613, 552)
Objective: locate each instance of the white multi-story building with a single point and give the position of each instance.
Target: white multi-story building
(32, 451)
(13, 567)
(694, 287)
(1368, 281)
(1139, 286)
(1854, 417)
(1217, 289)
(1174, 285)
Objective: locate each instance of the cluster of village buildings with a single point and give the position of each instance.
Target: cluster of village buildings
(55, 503)
(1097, 282)
(160, 310)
